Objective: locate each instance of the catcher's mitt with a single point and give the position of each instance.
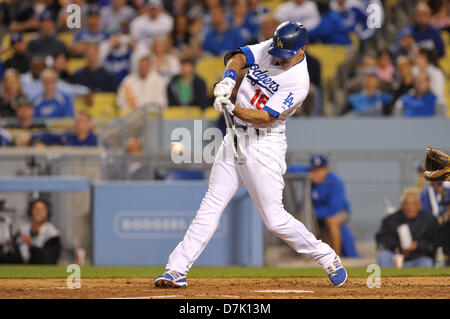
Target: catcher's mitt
(437, 165)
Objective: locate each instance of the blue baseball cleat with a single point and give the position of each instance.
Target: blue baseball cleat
(337, 273)
(171, 279)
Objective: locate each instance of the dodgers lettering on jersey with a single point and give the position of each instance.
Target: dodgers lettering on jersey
(269, 87)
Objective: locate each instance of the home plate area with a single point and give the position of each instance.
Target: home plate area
(230, 288)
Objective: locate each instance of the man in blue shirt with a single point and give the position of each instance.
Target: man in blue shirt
(424, 34)
(370, 101)
(82, 135)
(93, 33)
(331, 206)
(52, 103)
(221, 38)
(420, 101)
(331, 30)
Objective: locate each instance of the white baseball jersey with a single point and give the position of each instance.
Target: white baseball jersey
(269, 87)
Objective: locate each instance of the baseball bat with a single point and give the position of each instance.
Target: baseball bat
(237, 152)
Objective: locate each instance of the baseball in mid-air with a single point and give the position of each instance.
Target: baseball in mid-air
(176, 148)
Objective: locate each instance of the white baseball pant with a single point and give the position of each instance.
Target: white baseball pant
(262, 175)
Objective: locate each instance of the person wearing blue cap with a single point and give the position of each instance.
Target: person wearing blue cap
(331, 206)
(92, 34)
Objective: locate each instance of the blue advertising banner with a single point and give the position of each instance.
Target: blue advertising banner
(140, 223)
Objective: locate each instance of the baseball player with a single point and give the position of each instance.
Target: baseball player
(274, 86)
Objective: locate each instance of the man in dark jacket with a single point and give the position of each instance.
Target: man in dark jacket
(423, 227)
(21, 58)
(47, 44)
(94, 75)
(187, 88)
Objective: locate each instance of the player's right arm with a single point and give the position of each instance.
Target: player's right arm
(233, 66)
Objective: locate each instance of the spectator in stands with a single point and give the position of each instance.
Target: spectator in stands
(61, 66)
(31, 81)
(27, 18)
(257, 12)
(137, 167)
(152, 23)
(370, 101)
(47, 44)
(32, 84)
(93, 33)
(355, 84)
(434, 198)
(354, 16)
(116, 17)
(191, 9)
(11, 91)
(21, 58)
(196, 38)
(82, 134)
(405, 81)
(187, 88)
(303, 11)
(440, 14)
(423, 228)
(385, 68)
(312, 105)
(37, 242)
(52, 103)
(406, 45)
(180, 34)
(240, 19)
(94, 75)
(145, 86)
(115, 54)
(6, 139)
(164, 61)
(221, 38)
(26, 123)
(420, 101)
(331, 30)
(331, 206)
(426, 61)
(424, 34)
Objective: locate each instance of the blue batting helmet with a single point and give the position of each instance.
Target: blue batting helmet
(288, 39)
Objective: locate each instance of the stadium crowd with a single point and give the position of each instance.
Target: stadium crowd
(145, 52)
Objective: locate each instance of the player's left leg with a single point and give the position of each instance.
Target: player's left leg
(263, 178)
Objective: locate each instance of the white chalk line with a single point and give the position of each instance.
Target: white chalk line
(284, 291)
(148, 297)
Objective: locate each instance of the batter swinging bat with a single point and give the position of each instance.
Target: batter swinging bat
(237, 152)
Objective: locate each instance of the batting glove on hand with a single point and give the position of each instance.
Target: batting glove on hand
(224, 87)
(222, 102)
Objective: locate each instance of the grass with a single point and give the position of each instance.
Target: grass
(47, 272)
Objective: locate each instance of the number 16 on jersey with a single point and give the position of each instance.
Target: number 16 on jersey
(260, 99)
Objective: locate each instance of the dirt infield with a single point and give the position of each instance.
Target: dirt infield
(223, 288)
